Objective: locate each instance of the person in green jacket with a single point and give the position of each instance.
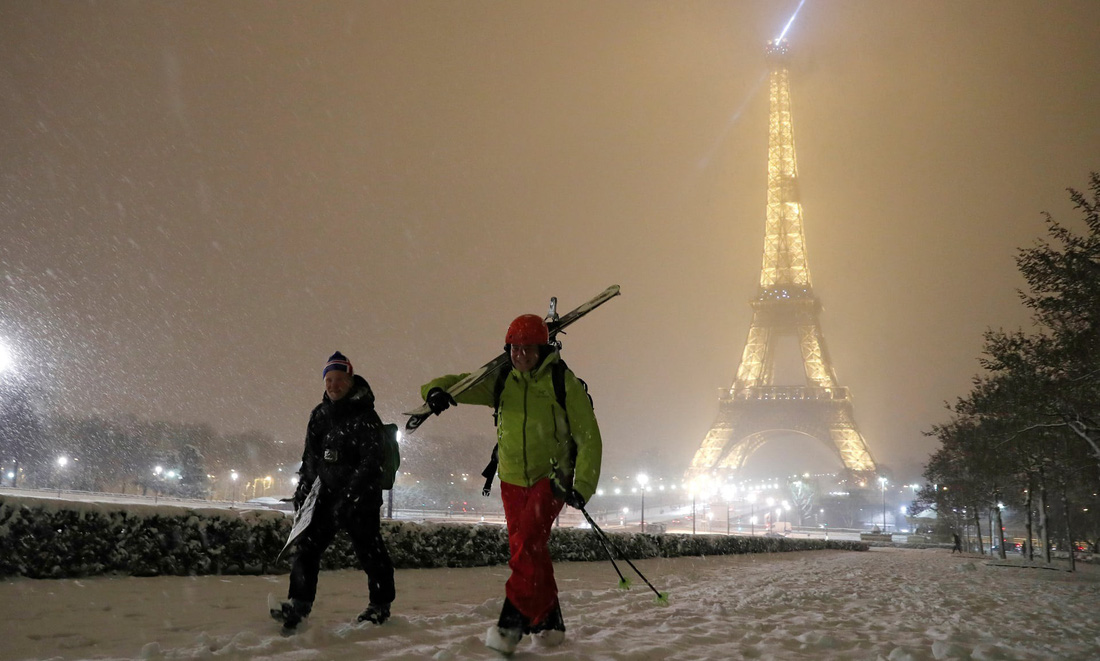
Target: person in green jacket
(549, 456)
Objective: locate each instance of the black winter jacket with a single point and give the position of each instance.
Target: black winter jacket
(344, 447)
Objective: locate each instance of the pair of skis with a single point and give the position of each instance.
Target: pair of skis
(556, 325)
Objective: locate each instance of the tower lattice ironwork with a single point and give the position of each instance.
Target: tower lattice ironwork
(755, 409)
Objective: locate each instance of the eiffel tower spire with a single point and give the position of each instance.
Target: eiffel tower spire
(755, 409)
(784, 241)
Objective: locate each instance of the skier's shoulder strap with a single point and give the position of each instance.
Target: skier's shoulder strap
(558, 375)
(498, 388)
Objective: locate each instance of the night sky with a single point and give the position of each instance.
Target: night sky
(199, 202)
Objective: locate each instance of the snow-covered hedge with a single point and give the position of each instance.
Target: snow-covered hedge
(42, 538)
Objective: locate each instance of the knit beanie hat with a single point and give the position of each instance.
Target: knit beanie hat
(337, 361)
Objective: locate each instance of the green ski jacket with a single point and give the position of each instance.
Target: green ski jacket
(533, 430)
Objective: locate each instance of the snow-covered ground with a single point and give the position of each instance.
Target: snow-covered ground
(884, 604)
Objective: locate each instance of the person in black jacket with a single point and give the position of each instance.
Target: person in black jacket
(344, 449)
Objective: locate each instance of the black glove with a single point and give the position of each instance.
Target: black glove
(349, 501)
(575, 500)
(439, 400)
(300, 493)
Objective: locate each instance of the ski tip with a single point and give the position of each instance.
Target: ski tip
(624, 583)
(662, 599)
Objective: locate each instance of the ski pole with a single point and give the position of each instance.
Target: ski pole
(623, 582)
(600, 534)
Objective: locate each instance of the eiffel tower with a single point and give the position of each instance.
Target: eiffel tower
(754, 409)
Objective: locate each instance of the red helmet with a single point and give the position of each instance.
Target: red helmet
(527, 329)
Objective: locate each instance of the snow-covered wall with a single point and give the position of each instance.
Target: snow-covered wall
(48, 538)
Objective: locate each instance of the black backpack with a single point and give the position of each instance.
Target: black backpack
(391, 455)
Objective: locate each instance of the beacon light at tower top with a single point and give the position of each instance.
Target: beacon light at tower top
(788, 25)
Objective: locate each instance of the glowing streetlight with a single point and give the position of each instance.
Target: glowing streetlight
(882, 481)
(693, 487)
(643, 480)
(6, 360)
(728, 491)
(752, 513)
(233, 475)
(62, 461)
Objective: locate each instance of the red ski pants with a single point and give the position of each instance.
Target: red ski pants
(530, 512)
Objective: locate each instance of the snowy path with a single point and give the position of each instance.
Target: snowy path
(885, 604)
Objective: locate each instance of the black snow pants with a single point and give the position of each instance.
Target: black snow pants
(362, 521)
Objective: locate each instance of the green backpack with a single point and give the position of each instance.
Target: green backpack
(391, 455)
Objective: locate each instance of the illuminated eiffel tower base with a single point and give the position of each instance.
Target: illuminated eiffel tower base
(754, 410)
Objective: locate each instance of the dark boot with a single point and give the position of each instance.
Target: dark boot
(292, 612)
(550, 631)
(376, 613)
(509, 629)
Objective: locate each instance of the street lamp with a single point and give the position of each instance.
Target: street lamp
(693, 486)
(389, 494)
(61, 462)
(882, 481)
(6, 360)
(728, 490)
(752, 513)
(643, 479)
(233, 475)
